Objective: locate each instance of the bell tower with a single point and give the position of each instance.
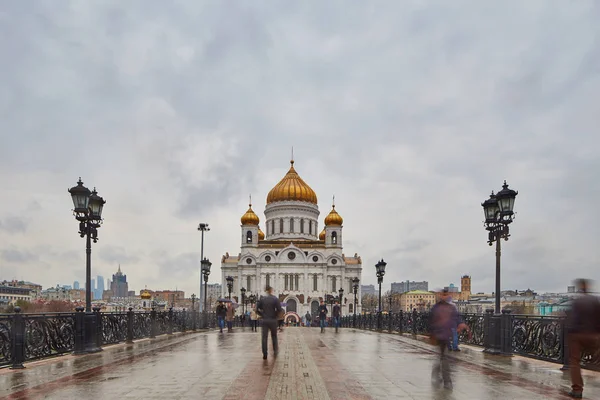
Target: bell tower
(250, 230)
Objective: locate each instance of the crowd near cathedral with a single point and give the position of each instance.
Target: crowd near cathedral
(302, 263)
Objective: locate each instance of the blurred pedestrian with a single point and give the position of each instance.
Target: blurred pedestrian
(221, 314)
(444, 316)
(322, 315)
(229, 317)
(268, 308)
(253, 319)
(335, 314)
(583, 327)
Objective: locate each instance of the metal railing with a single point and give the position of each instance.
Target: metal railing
(539, 337)
(26, 337)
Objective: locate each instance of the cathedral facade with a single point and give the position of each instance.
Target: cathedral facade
(301, 263)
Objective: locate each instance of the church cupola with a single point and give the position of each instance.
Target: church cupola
(250, 229)
(333, 228)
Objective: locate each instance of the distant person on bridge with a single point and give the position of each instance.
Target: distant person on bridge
(221, 314)
(583, 327)
(322, 315)
(268, 308)
(336, 313)
(308, 319)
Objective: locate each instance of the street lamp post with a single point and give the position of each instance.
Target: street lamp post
(355, 289)
(243, 291)
(202, 227)
(206, 264)
(193, 312)
(498, 210)
(341, 292)
(229, 280)
(380, 268)
(87, 210)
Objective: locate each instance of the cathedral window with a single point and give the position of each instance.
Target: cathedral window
(249, 237)
(302, 225)
(292, 225)
(268, 280)
(280, 225)
(350, 308)
(334, 237)
(285, 278)
(315, 281)
(248, 284)
(310, 226)
(272, 226)
(297, 282)
(333, 284)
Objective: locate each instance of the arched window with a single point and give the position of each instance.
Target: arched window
(333, 284)
(302, 225)
(310, 226)
(285, 278)
(280, 225)
(268, 280)
(272, 226)
(350, 308)
(315, 281)
(292, 225)
(249, 237)
(248, 284)
(334, 237)
(297, 282)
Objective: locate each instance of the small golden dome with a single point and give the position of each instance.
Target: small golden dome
(292, 188)
(334, 219)
(250, 218)
(145, 295)
(261, 234)
(322, 235)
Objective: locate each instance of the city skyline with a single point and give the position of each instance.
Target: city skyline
(409, 114)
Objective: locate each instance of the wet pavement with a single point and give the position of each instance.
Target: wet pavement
(310, 365)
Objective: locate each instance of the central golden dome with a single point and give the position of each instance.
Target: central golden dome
(145, 295)
(292, 188)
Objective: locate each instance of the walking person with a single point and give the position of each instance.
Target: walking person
(337, 310)
(308, 319)
(322, 315)
(253, 319)
(444, 316)
(221, 314)
(583, 333)
(268, 308)
(230, 315)
(453, 344)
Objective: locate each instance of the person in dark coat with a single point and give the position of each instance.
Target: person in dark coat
(583, 333)
(221, 314)
(323, 315)
(268, 308)
(336, 314)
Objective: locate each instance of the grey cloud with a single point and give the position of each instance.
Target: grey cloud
(14, 225)
(18, 256)
(117, 255)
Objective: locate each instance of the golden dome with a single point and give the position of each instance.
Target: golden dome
(292, 188)
(145, 295)
(333, 219)
(261, 234)
(250, 218)
(322, 235)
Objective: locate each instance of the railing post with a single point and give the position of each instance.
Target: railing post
(184, 318)
(153, 323)
(79, 331)
(193, 319)
(506, 333)
(99, 331)
(492, 332)
(414, 321)
(390, 317)
(18, 340)
(401, 317)
(130, 326)
(171, 321)
(565, 345)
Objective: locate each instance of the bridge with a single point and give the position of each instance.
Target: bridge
(164, 355)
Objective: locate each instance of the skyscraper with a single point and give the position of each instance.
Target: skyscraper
(76, 285)
(119, 286)
(99, 287)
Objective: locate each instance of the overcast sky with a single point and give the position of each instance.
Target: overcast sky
(411, 113)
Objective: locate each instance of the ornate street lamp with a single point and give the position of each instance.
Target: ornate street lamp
(243, 290)
(206, 264)
(229, 280)
(87, 209)
(341, 292)
(193, 296)
(498, 211)
(380, 268)
(202, 227)
(355, 289)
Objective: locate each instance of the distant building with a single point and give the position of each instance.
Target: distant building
(10, 294)
(170, 296)
(570, 289)
(420, 300)
(119, 286)
(76, 285)
(77, 295)
(213, 292)
(408, 286)
(99, 287)
(451, 288)
(367, 289)
(56, 293)
(34, 288)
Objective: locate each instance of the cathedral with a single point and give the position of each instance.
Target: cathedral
(302, 265)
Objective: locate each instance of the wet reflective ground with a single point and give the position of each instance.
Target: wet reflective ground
(311, 365)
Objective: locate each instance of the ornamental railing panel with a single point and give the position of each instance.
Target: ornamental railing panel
(142, 324)
(5, 339)
(538, 337)
(475, 323)
(48, 334)
(114, 328)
